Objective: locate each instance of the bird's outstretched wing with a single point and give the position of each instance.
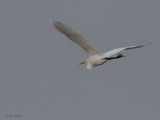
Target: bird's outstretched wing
(76, 37)
(115, 51)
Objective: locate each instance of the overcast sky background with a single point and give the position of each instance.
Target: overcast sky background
(39, 75)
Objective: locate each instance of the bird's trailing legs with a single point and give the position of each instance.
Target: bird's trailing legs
(118, 56)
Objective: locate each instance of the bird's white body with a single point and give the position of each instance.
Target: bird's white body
(95, 60)
(95, 57)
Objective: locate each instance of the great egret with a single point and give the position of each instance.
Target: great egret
(95, 57)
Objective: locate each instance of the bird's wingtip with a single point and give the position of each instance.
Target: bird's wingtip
(52, 21)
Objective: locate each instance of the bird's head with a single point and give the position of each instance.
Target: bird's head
(89, 66)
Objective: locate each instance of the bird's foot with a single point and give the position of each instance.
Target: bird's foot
(120, 55)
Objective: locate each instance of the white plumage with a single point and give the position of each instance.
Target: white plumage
(95, 57)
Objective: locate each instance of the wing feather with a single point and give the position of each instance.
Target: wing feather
(76, 37)
(117, 50)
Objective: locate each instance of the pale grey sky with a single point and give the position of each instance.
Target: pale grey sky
(39, 75)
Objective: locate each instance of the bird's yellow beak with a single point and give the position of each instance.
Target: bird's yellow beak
(82, 62)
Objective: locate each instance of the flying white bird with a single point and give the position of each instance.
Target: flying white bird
(95, 57)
